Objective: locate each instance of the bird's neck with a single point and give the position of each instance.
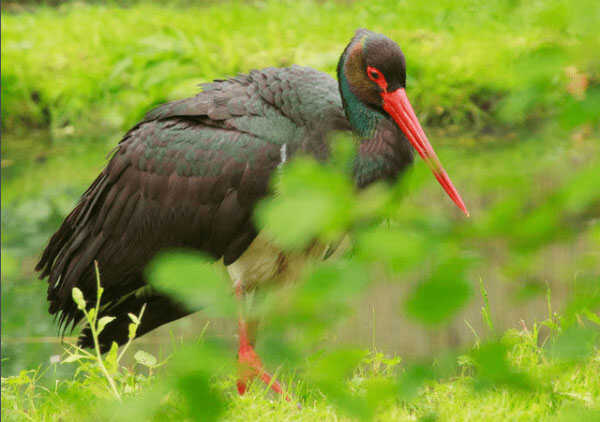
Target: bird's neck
(383, 151)
(363, 119)
(384, 156)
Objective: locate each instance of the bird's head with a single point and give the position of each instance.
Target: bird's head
(373, 69)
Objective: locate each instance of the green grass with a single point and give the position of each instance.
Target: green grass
(557, 389)
(104, 66)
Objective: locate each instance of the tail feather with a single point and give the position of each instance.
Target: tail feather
(68, 258)
(100, 228)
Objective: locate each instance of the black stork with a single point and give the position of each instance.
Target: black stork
(191, 172)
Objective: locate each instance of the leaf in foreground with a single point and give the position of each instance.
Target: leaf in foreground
(442, 295)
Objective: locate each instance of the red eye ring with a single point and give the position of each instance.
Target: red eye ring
(373, 74)
(376, 76)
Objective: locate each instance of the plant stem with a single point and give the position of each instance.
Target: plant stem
(131, 338)
(111, 382)
(92, 322)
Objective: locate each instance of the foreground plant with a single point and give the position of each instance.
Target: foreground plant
(110, 365)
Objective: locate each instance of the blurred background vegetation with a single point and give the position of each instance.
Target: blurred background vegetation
(509, 92)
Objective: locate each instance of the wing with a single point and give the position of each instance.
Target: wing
(187, 176)
(172, 183)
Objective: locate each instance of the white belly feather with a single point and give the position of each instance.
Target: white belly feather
(263, 262)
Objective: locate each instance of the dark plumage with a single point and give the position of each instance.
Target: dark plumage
(187, 176)
(190, 174)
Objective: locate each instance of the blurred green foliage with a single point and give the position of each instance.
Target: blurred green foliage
(178, 275)
(469, 62)
(526, 72)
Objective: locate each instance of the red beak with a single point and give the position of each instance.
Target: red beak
(396, 104)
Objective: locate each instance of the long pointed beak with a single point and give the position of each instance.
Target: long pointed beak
(396, 104)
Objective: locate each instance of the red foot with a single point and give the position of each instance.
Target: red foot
(250, 364)
(251, 367)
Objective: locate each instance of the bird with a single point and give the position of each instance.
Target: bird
(191, 172)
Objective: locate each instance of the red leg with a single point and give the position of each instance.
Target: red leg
(250, 364)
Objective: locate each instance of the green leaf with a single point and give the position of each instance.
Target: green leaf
(133, 318)
(105, 320)
(400, 249)
(193, 369)
(132, 331)
(333, 282)
(78, 298)
(91, 314)
(326, 293)
(72, 358)
(313, 201)
(412, 380)
(204, 403)
(295, 221)
(194, 280)
(145, 358)
(331, 372)
(494, 368)
(110, 358)
(441, 296)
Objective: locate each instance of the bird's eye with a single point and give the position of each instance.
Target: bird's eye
(376, 76)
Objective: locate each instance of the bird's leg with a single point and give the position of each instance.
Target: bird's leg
(250, 364)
